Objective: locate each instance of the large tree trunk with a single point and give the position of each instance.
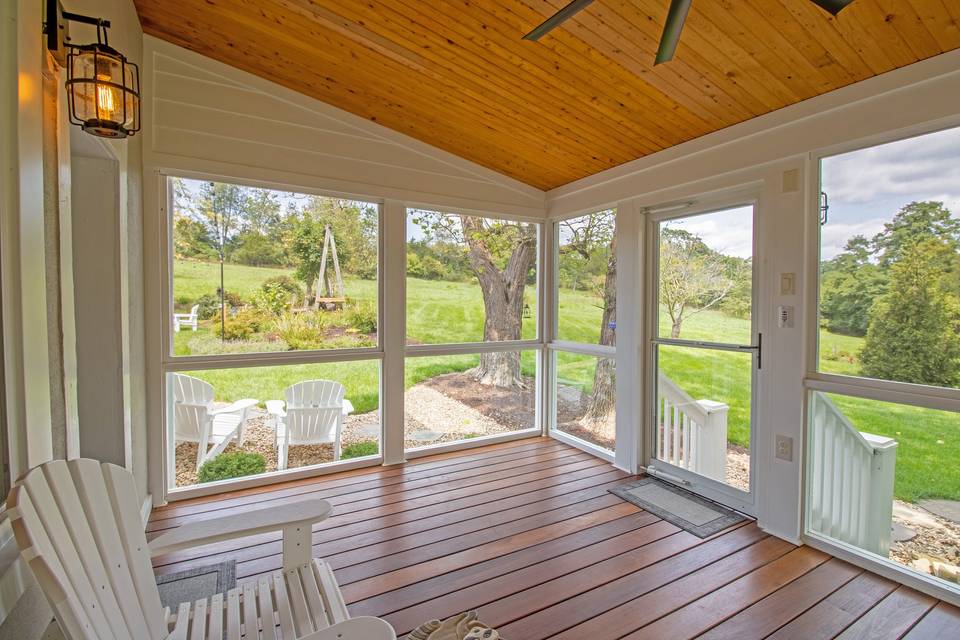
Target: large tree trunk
(603, 398)
(502, 301)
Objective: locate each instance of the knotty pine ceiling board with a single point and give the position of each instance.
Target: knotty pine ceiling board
(457, 75)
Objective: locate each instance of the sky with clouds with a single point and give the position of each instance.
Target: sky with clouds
(865, 187)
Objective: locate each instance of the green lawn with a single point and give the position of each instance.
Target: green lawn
(453, 312)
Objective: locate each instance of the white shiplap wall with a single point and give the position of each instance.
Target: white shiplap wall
(204, 116)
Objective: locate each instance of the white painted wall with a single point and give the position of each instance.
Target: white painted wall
(772, 154)
(209, 117)
(96, 254)
(40, 357)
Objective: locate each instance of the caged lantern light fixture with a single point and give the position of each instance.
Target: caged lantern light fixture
(103, 87)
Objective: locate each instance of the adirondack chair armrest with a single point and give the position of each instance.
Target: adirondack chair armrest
(293, 517)
(347, 407)
(239, 405)
(360, 628)
(277, 408)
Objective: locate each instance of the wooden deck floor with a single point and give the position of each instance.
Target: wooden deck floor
(527, 533)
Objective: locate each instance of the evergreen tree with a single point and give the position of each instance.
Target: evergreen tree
(913, 327)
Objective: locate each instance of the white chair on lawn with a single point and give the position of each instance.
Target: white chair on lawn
(78, 527)
(186, 319)
(313, 414)
(196, 420)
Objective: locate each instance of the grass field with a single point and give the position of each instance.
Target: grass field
(440, 312)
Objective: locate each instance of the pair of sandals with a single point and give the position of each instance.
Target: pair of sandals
(465, 626)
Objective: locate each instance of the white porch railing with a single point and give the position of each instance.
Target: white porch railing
(851, 488)
(691, 434)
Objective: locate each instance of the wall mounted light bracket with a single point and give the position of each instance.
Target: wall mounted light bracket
(103, 87)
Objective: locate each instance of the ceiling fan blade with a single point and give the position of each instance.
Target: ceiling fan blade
(556, 19)
(832, 6)
(671, 30)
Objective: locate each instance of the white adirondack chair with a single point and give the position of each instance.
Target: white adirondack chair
(196, 420)
(313, 414)
(78, 527)
(186, 319)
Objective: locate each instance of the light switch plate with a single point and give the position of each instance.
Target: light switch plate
(784, 448)
(788, 284)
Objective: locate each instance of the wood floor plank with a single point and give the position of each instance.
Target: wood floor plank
(705, 613)
(345, 523)
(559, 604)
(364, 490)
(621, 534)
(634, 601)
(527, 532)
(411, 574)
(940, 622)
(838, 611)
(660, 537)
(418, 468)
(463, 533)
(785, 604)
(891, 617)
(391, 562)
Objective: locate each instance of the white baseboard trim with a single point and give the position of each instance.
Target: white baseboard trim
(145, 509)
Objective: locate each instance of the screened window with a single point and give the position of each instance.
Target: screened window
(890, 262)
(257, 277)
(470, 278)
(257, 270)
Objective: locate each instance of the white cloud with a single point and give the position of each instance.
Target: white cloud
(728, 232)
(922, 168)
(833, 237)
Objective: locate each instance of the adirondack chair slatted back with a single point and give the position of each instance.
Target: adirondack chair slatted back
(314, 411)
(78, 526)
(192, 399)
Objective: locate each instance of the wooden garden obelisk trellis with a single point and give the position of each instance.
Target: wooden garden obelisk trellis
(331, 297)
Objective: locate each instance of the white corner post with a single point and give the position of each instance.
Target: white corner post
(393, 319)
(630, 450)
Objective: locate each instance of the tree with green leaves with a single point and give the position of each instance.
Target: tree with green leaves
(693, 277)
(220, 209)
(502, 255)
(914, 223)
(850, 283)
(913, 333)
(354, 226)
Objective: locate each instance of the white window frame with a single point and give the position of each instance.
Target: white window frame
(170, 363)
(473, 348)
(555, 346)
(916, 395)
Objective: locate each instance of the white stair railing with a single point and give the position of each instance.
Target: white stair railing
(851, 484)
(691, 434)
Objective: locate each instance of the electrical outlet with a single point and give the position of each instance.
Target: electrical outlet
(785, 448)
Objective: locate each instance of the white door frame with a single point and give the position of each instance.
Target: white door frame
(715, 490)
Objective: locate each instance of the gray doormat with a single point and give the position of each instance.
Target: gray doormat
(196, 584)
(685, 509)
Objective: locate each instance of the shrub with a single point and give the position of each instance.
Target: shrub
(277, 294)
(243, 325)
(210, 304)
(360, 449)
(362, 317)
(232, 465)
(300, 330)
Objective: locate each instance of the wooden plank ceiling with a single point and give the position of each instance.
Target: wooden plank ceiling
(456, 74)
